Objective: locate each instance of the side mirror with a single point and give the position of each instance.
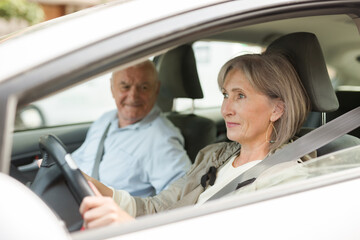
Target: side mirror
(29, 117)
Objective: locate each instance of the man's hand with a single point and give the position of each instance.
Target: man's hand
(100, 211)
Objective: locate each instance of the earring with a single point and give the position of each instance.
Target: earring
(267, 131)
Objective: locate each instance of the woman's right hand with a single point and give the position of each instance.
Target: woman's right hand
(98, 211)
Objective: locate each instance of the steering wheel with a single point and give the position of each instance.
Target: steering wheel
(60, 183)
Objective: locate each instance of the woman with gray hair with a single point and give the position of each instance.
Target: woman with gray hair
(264, 106)
(273, 76)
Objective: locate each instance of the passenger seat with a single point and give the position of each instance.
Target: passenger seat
(348, 100)
(179, 79)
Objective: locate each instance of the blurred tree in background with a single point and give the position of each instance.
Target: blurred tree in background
(22, 9)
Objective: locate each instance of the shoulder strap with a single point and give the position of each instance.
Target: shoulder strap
(99, 154)
(297, 149)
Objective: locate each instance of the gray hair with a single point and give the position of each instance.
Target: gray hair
(146, 65)
(274, 76)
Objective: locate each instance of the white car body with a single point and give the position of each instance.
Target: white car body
(325, 207)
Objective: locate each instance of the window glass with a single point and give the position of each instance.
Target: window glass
(82, 103)
(210, 56)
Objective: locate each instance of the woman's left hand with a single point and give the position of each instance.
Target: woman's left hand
(100, 211)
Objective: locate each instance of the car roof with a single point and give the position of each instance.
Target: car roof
(38, 44)
(41, 43)
(52, 39)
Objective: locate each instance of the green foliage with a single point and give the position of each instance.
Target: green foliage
(29, 11)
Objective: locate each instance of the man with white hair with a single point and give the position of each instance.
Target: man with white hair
(134, 148)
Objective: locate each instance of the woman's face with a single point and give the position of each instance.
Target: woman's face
(246, 111)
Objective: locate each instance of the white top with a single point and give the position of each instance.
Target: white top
(225, 175)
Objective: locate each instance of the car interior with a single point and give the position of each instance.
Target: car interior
(324, 62)
(179, 79)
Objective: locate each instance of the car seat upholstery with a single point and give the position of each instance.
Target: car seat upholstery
(313, 120)
(348, 100)
(304, 52)
(179, 79)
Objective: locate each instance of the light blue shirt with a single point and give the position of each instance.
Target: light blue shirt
(142, 158)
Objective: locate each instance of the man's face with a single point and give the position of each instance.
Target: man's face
(135, 90)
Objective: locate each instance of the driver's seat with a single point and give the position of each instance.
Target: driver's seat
(304, 52)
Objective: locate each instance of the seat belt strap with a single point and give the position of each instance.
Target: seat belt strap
(99, 154)
(297, 149)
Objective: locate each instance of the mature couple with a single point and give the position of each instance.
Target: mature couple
(264, 105)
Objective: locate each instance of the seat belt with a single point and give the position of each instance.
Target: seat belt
(297, 149)
(99, 154)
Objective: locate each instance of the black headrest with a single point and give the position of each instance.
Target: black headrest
(178, 76)
(304, 52)
(348, 100)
